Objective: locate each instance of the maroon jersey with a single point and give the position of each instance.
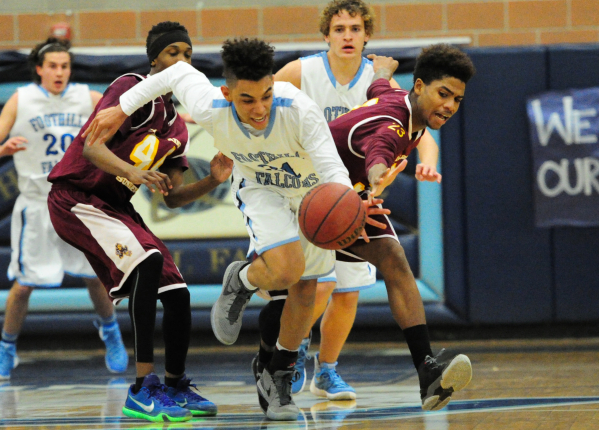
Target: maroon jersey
(153, 136)
(379, 131)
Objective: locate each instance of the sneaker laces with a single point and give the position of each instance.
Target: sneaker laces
(302, 356)
(332, 377)
(183, 387)
(241, 299)
(283, 385)
(159, 393)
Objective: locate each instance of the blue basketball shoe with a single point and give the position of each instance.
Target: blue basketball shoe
(327, 382)
(186, 398)
(116, 354)
(151, 403)
(8, 359)
(300, 366)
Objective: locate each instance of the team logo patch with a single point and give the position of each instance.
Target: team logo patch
(122, 250)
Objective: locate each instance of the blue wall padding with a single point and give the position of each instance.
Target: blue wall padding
(508, 260)
(5, 229)
(401, 199)
(454, 215)
(576, 250)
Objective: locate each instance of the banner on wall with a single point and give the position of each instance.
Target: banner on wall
(212, 216)
(564, 130)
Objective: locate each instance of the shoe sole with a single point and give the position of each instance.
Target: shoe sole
(456, 377)
(155, 418)
(343, 395)
(226, 278)
(203, 413)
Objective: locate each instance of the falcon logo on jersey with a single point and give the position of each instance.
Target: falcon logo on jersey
(264, 157)
(122, 250)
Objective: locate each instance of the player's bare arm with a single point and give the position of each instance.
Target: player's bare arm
(182, 194)
(7, 120)
(103, 158)
(292, 73)
(104, 125)
(428, 152)
(380, 176)
(96, 96)
(384, 67)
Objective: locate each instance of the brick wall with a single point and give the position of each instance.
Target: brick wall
(487, 23)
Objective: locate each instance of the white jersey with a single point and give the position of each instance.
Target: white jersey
(295, 150)
(49, 123)
(334, 99)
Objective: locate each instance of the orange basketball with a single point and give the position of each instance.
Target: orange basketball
(332, 216)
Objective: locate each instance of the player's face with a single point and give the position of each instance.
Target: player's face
(55, 71)
(173, 53)
(438, 101)
(346, 35)
(252, 100)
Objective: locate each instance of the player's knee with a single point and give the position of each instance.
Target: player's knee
(286, 276)
(21, 293)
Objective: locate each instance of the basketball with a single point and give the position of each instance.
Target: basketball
(331, 216)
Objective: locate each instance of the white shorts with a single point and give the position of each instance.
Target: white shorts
(39, 258)
(351, 276)
(271, 221)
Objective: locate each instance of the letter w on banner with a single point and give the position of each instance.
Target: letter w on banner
(564, 129)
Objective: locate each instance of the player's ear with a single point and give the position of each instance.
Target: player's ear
(226, 93)
(418, 86)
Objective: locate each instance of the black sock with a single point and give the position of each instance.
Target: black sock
(172, 382)
(138, 383)
(418, 343)
(282, 360)
(264, 356)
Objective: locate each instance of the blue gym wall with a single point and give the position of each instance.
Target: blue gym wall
(499, 267)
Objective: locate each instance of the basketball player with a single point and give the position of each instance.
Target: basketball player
(90, 208)
(42, 119)
(282, 148)
(337, 81)
(371, 140)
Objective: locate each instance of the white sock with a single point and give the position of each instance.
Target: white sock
(243, 276)
(281, 348)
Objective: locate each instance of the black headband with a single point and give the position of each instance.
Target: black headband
(166, 39)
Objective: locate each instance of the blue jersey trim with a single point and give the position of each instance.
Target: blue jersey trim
(327, 67)
(239, 124)
(275, 245)
(27, 284)
(322, 275)
(356, 78)
(352, 289)
(220, 103)
(328, 279)
(21, 240)
(277, 102)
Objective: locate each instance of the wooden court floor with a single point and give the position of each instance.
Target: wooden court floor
(517, 384)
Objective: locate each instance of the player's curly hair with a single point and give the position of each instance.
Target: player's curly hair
(441, 60)
(38, 54)
(162, 28)
(353, 7)
(247, 59)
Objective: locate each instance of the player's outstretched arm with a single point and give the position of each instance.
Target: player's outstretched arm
(7, 120)
(383, 67)
(104, 159)
(428, 152)
(381, 176)
(182, 194)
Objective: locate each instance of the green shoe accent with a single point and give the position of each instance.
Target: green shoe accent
(157, 418)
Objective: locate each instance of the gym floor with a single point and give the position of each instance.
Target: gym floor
(517, 384)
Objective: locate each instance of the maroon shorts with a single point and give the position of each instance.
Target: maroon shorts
(113, 238)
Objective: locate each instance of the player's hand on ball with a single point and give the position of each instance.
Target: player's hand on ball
(428, 173)
(371, 208)
(387, 178)
(104, 125)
